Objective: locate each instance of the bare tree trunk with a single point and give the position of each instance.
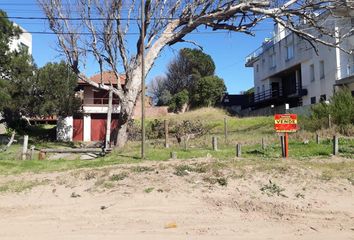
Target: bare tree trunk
(126, 113)
(122, 136)
(10, 142)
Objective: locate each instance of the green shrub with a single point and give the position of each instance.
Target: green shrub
(178, 101)
(189, 128)
(341, 109)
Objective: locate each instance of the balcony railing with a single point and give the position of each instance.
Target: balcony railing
(277, 93)
(268, 94)
(265, 46)
(345, 71)
(99, 101)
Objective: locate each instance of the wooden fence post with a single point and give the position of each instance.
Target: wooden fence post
(215, 143)
(317, 138)
(173, 155)
(282, 144)
(335, 145)
(166, 133)
(238, 150)
(25, 146)
(225, 130)
(263, 144)
(329, 121)
(32, 152)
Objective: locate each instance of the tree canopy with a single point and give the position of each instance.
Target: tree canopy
(25, 90)
(107, 25)
(189, 80)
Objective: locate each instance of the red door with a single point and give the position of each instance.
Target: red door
(98, 126)
(78, 126)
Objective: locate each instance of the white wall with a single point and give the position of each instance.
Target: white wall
(87, 128)
(335, 63)
(65, 129)
(25, 38)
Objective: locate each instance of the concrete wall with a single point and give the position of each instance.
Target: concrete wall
(25, 38)
(65, 129)
(87, 128)
(268, 111)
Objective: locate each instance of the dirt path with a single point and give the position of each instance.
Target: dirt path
(152, 202)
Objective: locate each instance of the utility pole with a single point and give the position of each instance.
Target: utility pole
(142, 81)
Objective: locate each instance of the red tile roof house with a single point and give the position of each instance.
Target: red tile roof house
(89, 125)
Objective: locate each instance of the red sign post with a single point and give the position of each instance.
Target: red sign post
(285, 123)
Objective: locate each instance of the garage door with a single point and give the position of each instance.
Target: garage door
(78, 127)
(98, 126)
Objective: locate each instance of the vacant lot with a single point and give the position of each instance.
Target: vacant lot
(204, 194)
(200, 198)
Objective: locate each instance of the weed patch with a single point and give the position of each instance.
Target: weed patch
(90, 175)
(118, 177)
(272, 188)
(222, 181)
(20, 186)
(149, 190)
(183, 170)
(141, 169)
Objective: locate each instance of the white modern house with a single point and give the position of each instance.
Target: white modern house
(24, 41)
(287, 69)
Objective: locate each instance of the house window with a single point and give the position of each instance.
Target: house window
(312, 73)
(323, 98)
(24, 47)
(289, 47)
(272, 59)
(322, 72)
(313, 100)
(257, 67)
(351, 66)
(257, 89)
(263, 88)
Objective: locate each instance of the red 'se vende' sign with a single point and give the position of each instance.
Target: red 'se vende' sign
(285, 122)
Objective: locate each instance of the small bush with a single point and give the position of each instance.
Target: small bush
(155, 129)
(134, 131)
(186, 129)
(178, 101)
(272, 188)
(341, 109)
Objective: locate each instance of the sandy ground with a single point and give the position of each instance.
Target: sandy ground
(157, 204)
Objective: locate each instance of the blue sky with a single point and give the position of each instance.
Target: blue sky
(228, 50)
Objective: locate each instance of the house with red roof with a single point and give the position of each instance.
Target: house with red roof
(89, 124)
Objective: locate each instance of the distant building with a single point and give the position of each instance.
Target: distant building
(24, 41)
(288, 70)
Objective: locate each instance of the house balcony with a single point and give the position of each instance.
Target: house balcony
(277, 97)
(99, 105)
(267, 44)
(345, 74)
